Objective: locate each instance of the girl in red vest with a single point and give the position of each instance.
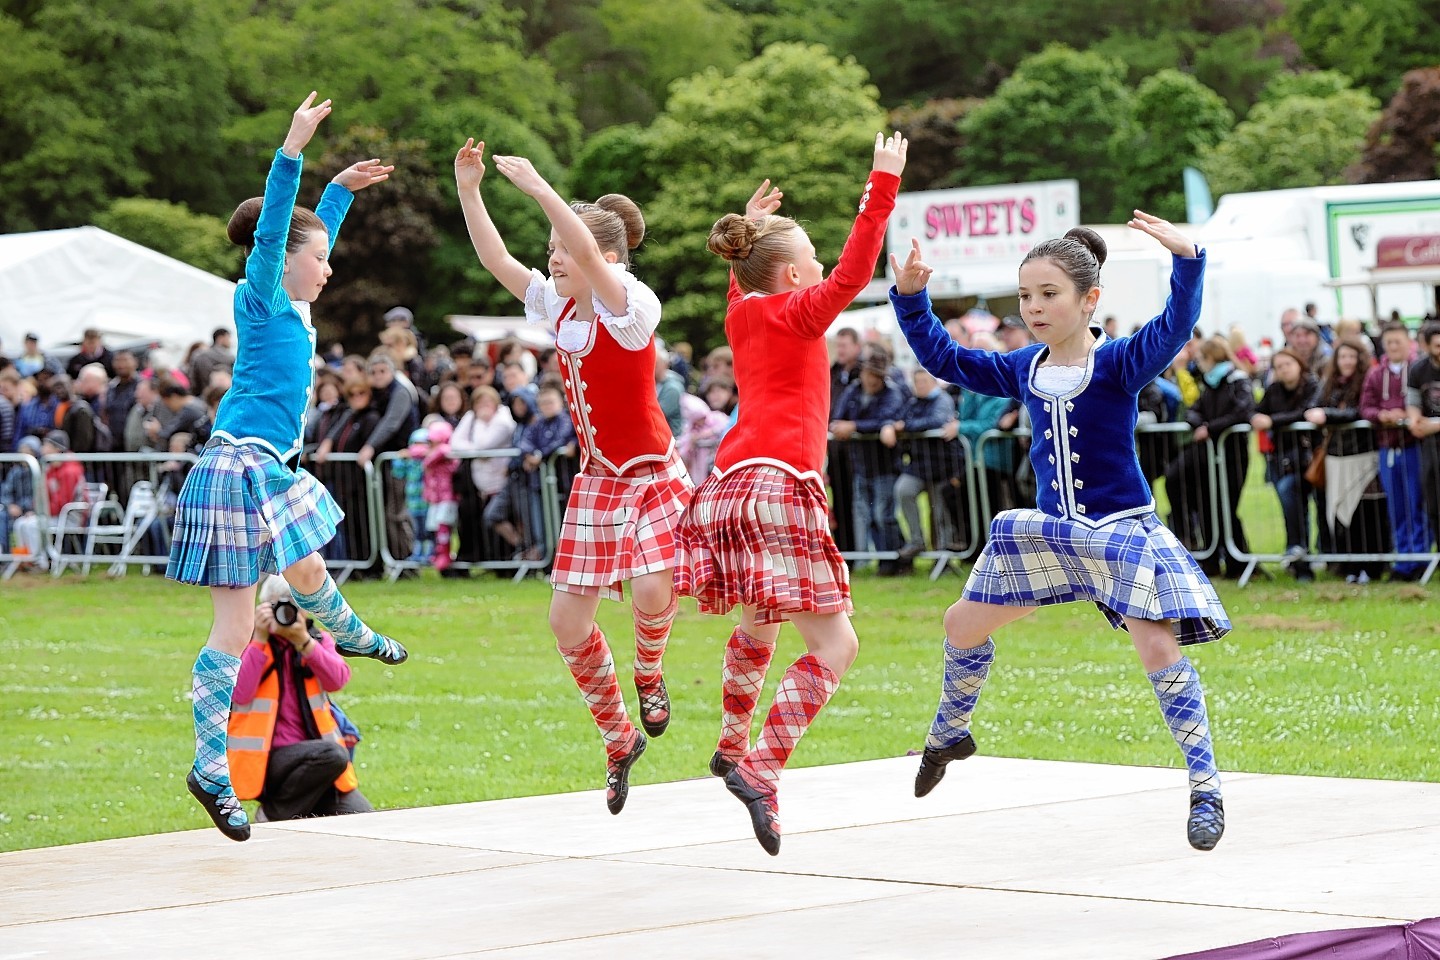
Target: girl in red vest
(757, 533)
(632, 488)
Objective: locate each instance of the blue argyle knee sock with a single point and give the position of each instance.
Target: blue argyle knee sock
(352, 636)
(212, 684)
(965, 673)
(1182, 702)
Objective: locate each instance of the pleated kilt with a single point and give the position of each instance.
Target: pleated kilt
(1131, 568)
(243, 514)
(760, 537)
(619, 528)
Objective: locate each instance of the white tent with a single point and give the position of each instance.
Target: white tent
(56, 283)
(487, 329)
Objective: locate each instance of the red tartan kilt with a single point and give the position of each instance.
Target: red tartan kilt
(619, 528)
(761, 537)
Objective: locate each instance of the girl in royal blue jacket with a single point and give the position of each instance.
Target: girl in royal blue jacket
(246, 510)
(1094, 535)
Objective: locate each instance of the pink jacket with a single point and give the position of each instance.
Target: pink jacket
(438, 484)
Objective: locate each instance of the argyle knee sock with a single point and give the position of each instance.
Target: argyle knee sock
(807, 686)
(741, 677)
(352, 636)
(593, 668)
(652, 632)
(1182, 702)
(212, 685)
(965, 673)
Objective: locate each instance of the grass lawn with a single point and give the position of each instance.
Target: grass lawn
(95, 677)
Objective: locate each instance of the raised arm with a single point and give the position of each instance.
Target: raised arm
(977, 370)
(608, 287)
(1148, 352)
(489, 247)
(265, 265)
(813, 309)
(340, 192)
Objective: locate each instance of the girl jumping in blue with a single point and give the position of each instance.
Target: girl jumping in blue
(1094, 535)
(246, 510)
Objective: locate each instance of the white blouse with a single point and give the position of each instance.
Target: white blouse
(632, 329)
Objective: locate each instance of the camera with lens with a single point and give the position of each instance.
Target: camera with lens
(285, 613)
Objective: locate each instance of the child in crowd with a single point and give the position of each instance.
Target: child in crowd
(757, 533)
(442, 506)
(1094, 535)
(411, 471)
(622, 512)
(704, 428)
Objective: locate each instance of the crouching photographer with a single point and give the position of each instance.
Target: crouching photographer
(286, 745)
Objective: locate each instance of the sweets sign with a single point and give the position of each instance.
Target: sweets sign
(975, 237)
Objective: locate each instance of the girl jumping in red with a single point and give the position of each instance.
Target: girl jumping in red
(757, 533)
(626, 503)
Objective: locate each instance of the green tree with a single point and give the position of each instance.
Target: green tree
(1176, 117)
(58, 167)
(1402, 145)
(614, 160)
(385, 63)
(150, 66)
(1062, 114)
(171, 228)
(621, 58)
(933, 129)
(1373, 43)
(796, 115)
(1309, 83)
(1296, 141)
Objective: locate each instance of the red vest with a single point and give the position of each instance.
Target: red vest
(613, 404)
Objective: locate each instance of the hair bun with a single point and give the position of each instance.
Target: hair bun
(732, 237)
(241, 228)
(1090, 240)
(629, 213)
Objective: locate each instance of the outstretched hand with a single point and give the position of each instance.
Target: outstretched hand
(761, 203)
(303, 124)
(890, 153)
(1164, 231)
(363, 174)
(523, 174)
(470, 164)
(914, 273)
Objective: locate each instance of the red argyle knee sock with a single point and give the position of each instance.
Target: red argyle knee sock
(594, 670)
(807, 686)
(742, 676)
(652, 632)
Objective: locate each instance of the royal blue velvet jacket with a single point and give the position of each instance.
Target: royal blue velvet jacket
(1083, 447)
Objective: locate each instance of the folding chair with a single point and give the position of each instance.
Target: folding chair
(92, 502)
(141, 511)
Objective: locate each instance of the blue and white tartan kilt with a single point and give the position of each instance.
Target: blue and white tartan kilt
(1133, 567)
(243, 514)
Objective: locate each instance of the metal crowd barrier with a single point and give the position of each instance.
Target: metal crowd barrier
(354, 486)
(12, 556)
(486, 519)
(1371, 527)
(951, 528)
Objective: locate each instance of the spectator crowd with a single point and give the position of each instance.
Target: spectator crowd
(478, 436)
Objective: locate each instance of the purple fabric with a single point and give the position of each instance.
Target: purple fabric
(1413, 941)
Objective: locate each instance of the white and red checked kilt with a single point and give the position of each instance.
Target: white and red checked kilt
(619, 528)
(760, 537)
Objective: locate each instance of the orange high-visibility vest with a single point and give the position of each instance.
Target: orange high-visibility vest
(253, 724)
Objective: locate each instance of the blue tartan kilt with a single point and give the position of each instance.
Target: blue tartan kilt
(1133, 567)
(243, 514)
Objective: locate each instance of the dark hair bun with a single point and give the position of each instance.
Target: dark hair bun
(629, 213)
(1090, 240)
(732, 237)
(241, 228)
